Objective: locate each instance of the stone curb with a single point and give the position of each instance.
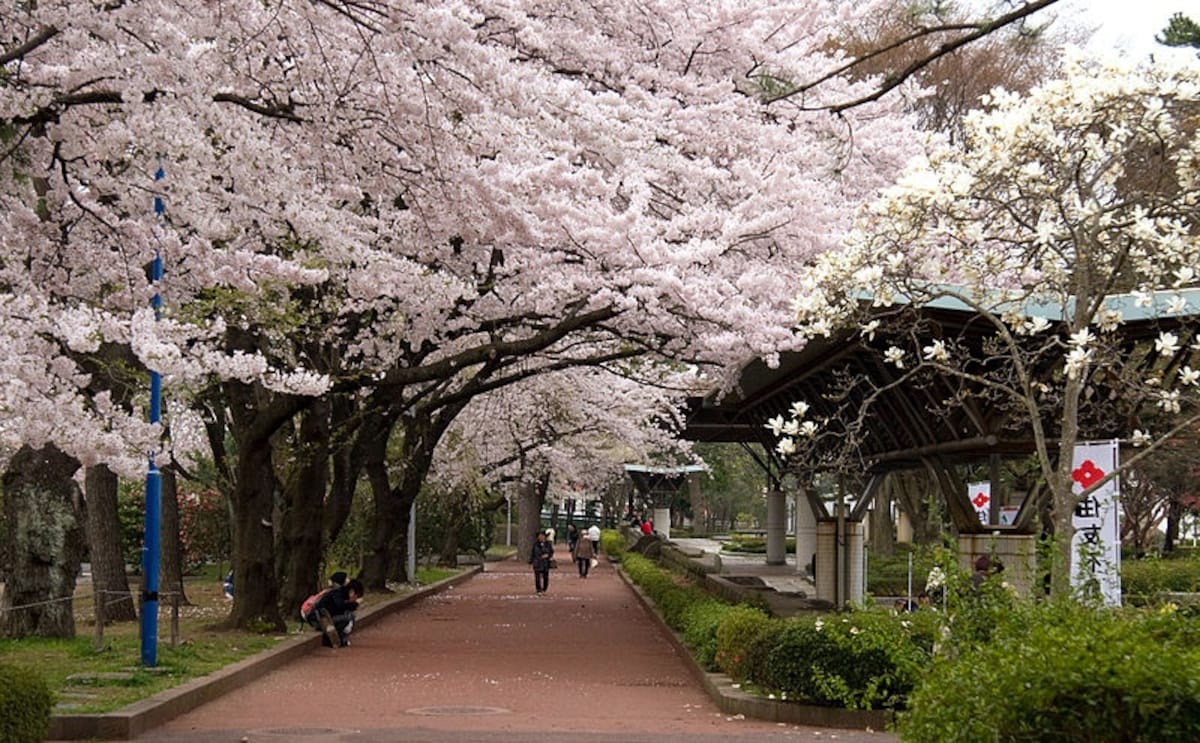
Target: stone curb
(131, 721)
(733, 701)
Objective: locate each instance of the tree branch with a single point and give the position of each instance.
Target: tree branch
(41, 37)
(980, 30)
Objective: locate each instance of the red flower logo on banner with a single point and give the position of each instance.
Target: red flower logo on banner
(1087, 474)
(980, 500)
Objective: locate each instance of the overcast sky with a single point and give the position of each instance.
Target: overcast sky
(1130, 24)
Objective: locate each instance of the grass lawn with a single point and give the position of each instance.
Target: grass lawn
(88, 681)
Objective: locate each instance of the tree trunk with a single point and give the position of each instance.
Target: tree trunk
(104, 544)
(883, 534)
(255, 590)
(301, 519)
(375, 566)
(47, 543)
(171, 568)
(456, 520)
(346, 460)
(389, 538)
(530, 498)
(1174, 515)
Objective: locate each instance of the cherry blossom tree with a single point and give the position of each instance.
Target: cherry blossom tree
(1067, 225)
(376, 211)
(578, 427)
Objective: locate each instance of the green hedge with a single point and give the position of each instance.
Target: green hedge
(1065, 672)
(1142, 579)
(858, 660)
(612, 543)
(870, 662)
(994, 667)
(739, 630)
(25, 705)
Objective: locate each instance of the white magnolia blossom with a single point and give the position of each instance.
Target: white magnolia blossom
(1177, 305)
(869, 329)
(1077, 360)
(894, 355)
(809, 429)
(799, 409)
(1110, 319)
(1035, 325)
(1141, 438)
(1167, 344)
(776, 425)
(786, 447)
(937, 352)
(1184, 275)
(1083, 338)
(1168, 400)
(1188, 375)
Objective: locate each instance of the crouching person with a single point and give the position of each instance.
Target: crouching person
(333, 614)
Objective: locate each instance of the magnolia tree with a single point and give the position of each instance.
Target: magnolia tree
(574, 429)
(376, 211)
(1067, 225)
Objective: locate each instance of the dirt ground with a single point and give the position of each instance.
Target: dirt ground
(490, 661)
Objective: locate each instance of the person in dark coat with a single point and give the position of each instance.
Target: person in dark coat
(334, 613)
(540, 558)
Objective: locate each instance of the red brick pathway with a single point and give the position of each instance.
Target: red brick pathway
(489, 661)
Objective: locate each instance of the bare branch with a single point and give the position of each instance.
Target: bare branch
(41, 37)
(976, 31)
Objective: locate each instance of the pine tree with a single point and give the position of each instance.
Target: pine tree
(1180, 31)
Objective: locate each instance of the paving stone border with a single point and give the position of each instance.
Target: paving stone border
(131, 721)
(733, 701)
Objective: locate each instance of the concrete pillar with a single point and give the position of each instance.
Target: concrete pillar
(776, 528)
(826, 575)
(806, 534)
(904, 529)
(1018, 553)
(662, 522)
(840, 574)
(855, 578)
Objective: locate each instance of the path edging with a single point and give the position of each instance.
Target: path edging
(135, 719)
(732, 700)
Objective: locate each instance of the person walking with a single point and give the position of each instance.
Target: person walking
(583, 556)
(542, 559)
(593, 533)
(572, 537)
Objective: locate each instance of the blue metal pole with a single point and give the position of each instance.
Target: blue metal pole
(150, 545)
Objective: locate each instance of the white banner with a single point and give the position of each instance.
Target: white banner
(1096, 544)
(980, 494)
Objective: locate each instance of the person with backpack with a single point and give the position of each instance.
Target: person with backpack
(333, 613)
(337, 580)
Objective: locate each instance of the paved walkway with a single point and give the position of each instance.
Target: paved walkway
(489, 661)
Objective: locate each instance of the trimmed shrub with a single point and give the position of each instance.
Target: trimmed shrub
(864, 660)
(1065, 672)
(739, 629)
(25, 705)
(612, 543)
(700, 622)
(1142, 579)
(674, 601)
